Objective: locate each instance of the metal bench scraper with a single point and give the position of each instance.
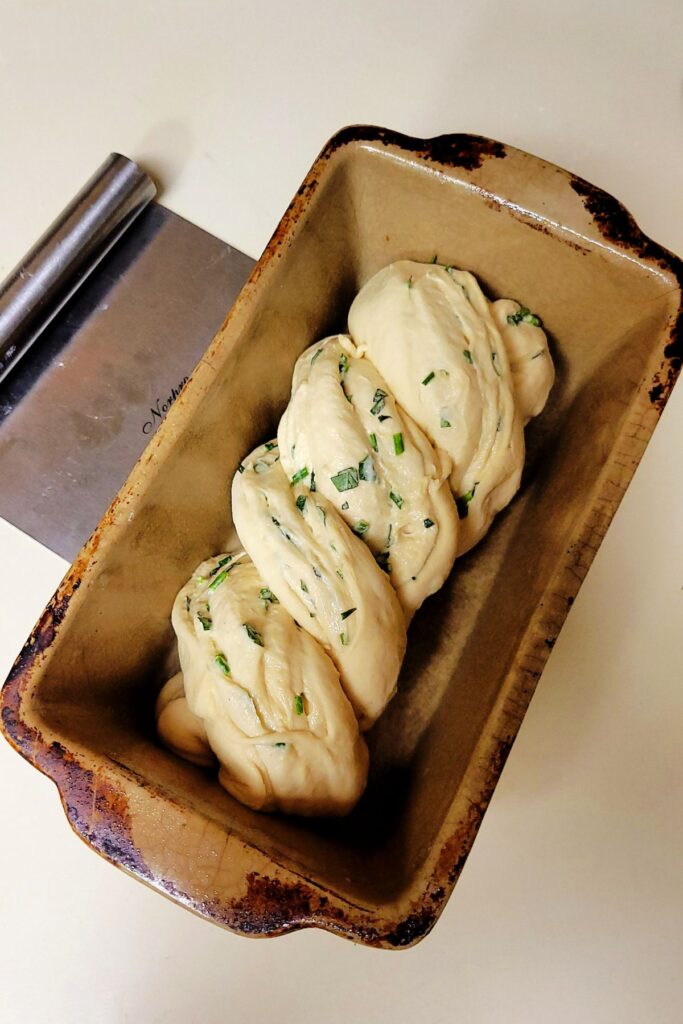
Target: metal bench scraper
(100, 326)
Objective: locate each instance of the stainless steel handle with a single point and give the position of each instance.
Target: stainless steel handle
(71, 247)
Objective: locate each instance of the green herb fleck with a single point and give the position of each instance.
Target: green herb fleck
(428, 523)
(345, 479)
(301, 502)
(429, 377)
(348, 612)
(397, 499)
(498, 424)
(398, 444)
(462, 503)
(345, 505)
(445, 422)
(343, 363)
(221, 563)
(187, 603)
(373, 442)
(280, 745)
(494, 356)
(383, 418)
(315, 355)
(300, 475)
(468, 356)
(339, 573)
(267, 596)
(541, 353)
(222, 663)
(378, 400)
(312, 484)
(260, 466)
(323, 513)
(410, 282)
(205, 621)
(303, 586)
(222, 576)
(524, 314)
(269, 445)
(299, 703)
(240, 468)
(344, 637)
(361, 527)
(253, 634)
(366, 470)
(434, 258)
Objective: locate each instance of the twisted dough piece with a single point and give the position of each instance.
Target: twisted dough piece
(324, 576)
(264, 694)
(386, 435)
(433, 336)
(374, 464)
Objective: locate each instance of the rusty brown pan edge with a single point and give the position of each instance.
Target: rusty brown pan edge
(274, 905)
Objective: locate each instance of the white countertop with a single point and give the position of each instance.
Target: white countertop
(570, 907)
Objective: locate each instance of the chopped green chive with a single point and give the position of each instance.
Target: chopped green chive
(373, 442)
(303, 586)
(448, 268)
(253, 634)
(346, 479)
(430, 376)
(379, 399)
(339, 573)
(348, 612)
(312, 483)
(281, 745)
(301, 502)
(494, 356)
(344, 637)
(428, 523)
(269, 445)
(498, 424)
(468, 356)
(524, 314)
(344, 507)
(221, 563)
(389, 536)
(396, 498)
(301, 474)
(315, 355)
(445, 422)
(383, 418)
(434, 258)
(410, 282)
(222, 576)
(260, 466)
(222, 663)
(316, 572)
(205, 621)
(361, 527)
(267, 596)
(366, 470)
(299, 703)
(343, 363)
(323, 513)
(187, 603)
(541, 353)
(240, 468)
(462, 502)
(398, 444)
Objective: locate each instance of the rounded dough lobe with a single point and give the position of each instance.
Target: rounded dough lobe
(269, 697)
(343, 429)
(429, 331)
(180, 730)
(325, 577)
(533, 372)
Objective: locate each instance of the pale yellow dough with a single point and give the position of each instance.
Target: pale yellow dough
(393, 489)
(432, 335)
(268, 696)
(325, 577)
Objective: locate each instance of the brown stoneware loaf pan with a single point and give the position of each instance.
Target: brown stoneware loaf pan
(78, 703)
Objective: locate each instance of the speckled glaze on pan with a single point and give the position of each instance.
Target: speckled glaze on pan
(78, 702)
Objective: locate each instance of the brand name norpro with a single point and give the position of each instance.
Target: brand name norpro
(160, 408)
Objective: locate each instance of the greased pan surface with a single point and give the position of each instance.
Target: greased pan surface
(79, 701)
